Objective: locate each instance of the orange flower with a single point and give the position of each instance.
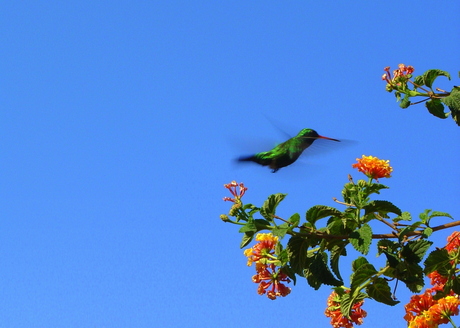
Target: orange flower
(265, 248)
(268, 274)
(423, 322)
(417, 305)
(445, 308)
(437, 281)
(373, 167)
(425, 312)
(338, 320)
(453, 242)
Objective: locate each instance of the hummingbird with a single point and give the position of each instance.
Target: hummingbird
(287, 152)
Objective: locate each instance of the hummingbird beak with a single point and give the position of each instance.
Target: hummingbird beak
(322, 137)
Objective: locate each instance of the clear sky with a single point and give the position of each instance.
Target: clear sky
(120, 122)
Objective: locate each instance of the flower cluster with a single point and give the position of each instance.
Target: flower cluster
(237, 190)
(400, 77)
(453, 242)
(373, 167)
(237, 194)
(338, 320)
(423, 311)
(268, 274)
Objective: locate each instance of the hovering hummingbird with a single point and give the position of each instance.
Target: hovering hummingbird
(287, 152)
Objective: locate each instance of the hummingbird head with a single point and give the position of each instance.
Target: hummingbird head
(312, 134)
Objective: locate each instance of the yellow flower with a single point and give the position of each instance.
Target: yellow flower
(373, 167)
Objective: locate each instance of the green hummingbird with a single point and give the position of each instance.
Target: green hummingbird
(287, 152)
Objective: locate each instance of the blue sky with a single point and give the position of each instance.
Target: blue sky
(120, 121)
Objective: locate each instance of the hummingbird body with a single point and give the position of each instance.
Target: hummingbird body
(287, 152)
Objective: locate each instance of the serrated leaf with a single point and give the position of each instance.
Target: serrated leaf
(374, 188)
(297, 248)
(380, 291)
(319, 269)
(320, 211)
(414, 251)
(411, 274)
(453, 102)
(438, 260)
(391, 250)
(427, 215)
(337, 251)
(382, 207)
(418, 80)
(361, 275)
(361, 238)
(294, 220)
(346, 304)
(269, 207)
(431, 75)
(405, 216)
(436, 108)
(360, 261)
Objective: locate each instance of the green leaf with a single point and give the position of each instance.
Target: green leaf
(250, 226)
(409, 229)
(361, 238)
(346, 304)
(405, 102)
(359, 262)
(405, 216)
(380, 291)
(361, 275)
(427, 232)
(320, 211)
(261, 224)
(347, 301)
(437, 213)
(453, 102)
(269, 207)
(281, 230)
(247, 238)
(391, 251)
(456, 285)
(374, 188)
(382, 207)
(336, 251)
(438, 260)
(297, 248)
(436, 108)
(427, 215)
(431, 75)
(319, 269)
(411, 274)
(291, 274)
(419, 80)
(294, 220)
(414, 251)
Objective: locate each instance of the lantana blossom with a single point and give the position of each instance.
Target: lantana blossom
(373, 167)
